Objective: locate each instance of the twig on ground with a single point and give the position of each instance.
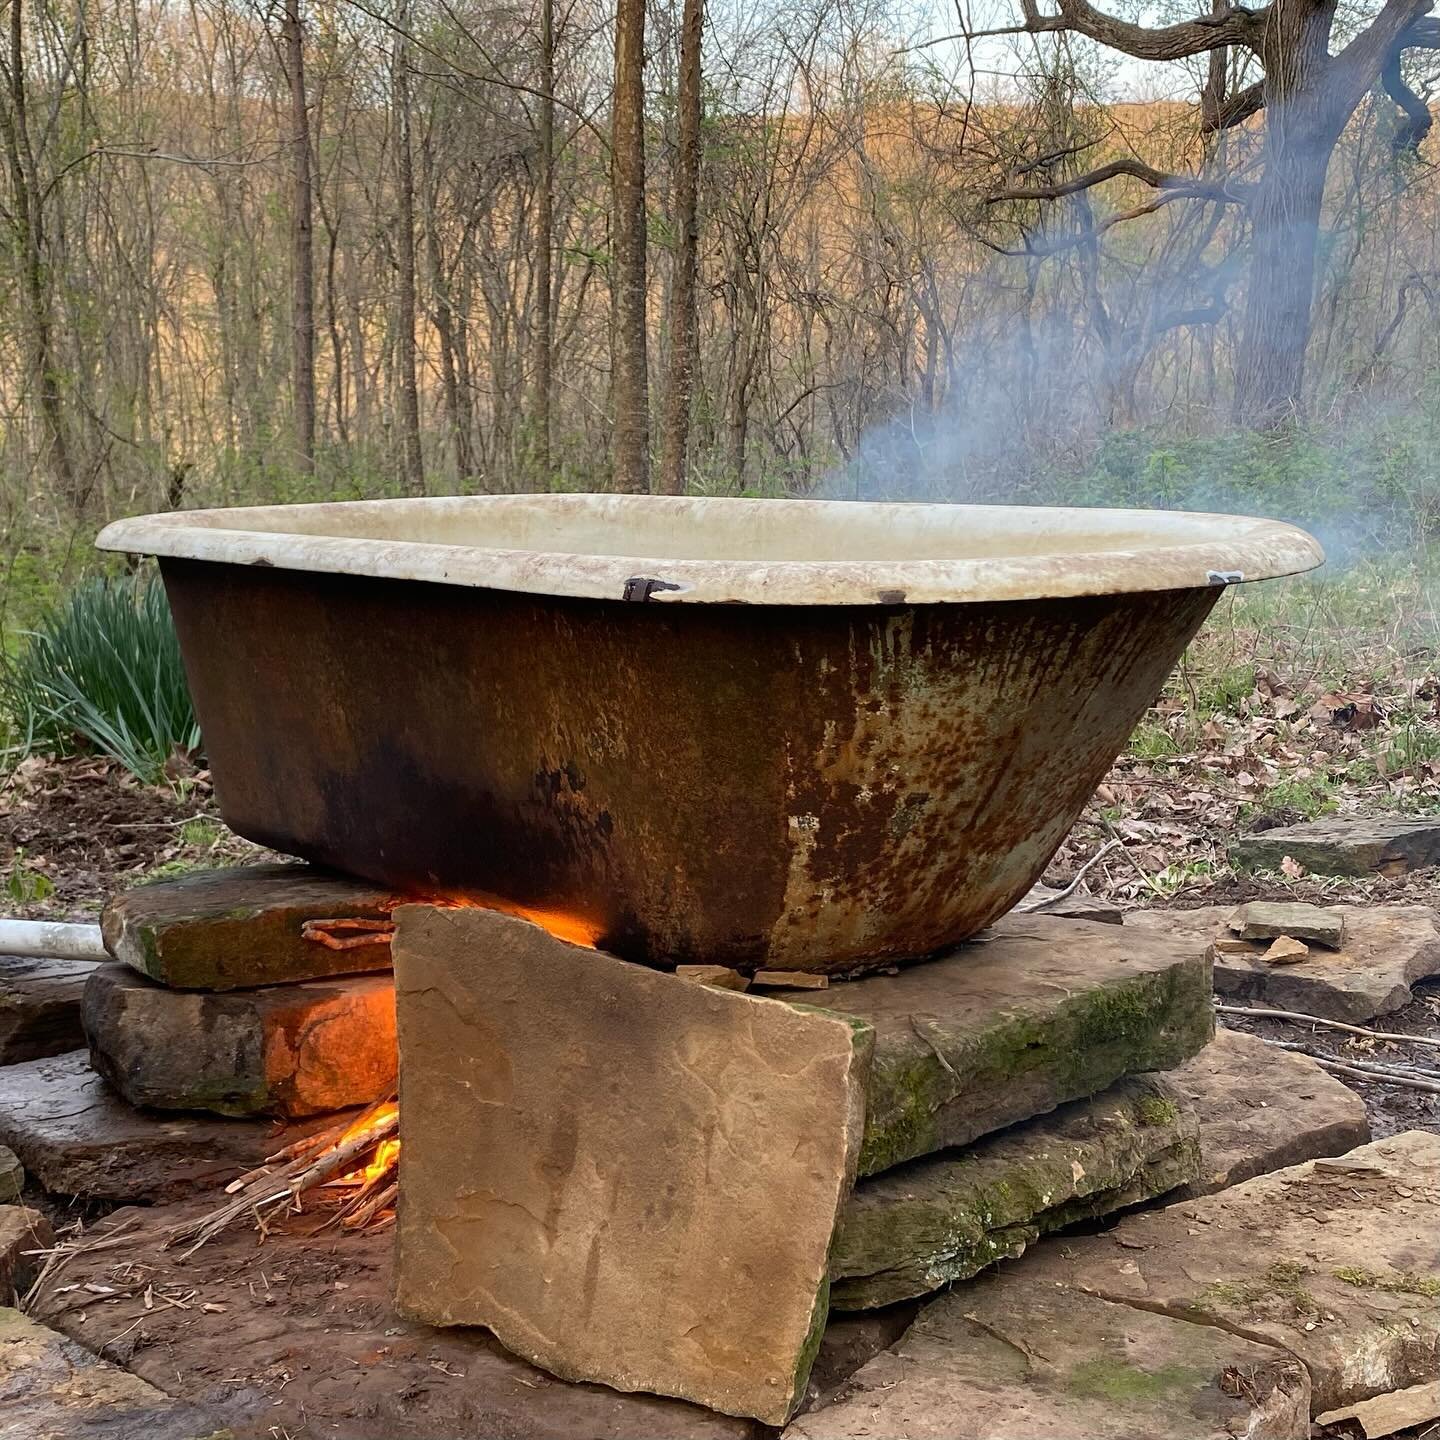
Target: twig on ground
(1297, 1015)
(1370, 1073)
(1140, 870)
(1379, 1067)
(1070, 889)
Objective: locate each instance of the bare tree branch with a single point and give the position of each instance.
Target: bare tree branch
(1354, 69)
(1416, 121)
(1232, 110)
(1189, 186)
(1235, 25)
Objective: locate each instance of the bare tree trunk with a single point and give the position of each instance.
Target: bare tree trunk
(1284, 227)
(675, 411)
(27, 224)
(1303, 119)
(545, 245)
(629, 379)
(302, 316)
(412, 462)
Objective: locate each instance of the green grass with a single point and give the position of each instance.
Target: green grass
(1153, 742)
(101, 672)
(1310, 798)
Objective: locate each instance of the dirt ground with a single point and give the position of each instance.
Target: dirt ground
(296, 1335)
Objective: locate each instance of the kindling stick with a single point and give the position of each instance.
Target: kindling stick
(1260, 1014)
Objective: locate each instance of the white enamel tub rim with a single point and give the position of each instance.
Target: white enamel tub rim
(772, 552)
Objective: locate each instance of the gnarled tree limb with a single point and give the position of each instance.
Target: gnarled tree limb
(1235, 25)
(1232, 110)
(1188, 187)
(1415, 121)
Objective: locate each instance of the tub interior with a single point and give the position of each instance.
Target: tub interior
(743, 531)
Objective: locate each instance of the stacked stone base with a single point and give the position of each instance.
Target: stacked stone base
(634, 1178)
(642, 1179)
(219, 1001)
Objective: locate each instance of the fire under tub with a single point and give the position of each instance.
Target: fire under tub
(757, 733)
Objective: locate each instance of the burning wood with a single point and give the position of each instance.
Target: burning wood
(360, 1156)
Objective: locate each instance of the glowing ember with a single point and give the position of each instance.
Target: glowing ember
(562, 924)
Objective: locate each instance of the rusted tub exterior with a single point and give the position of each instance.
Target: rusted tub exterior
(598, 738)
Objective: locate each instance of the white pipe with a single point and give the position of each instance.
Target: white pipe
(51, 940)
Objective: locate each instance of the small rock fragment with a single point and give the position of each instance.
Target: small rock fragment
(1226, 946)
(719, 976)
(1286, 951)
(22, 1231)
(1269, 920)
(1385, 1414)
(790, 980)
(12, 1175)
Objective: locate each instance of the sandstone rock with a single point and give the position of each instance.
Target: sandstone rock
(1285, 951)
(287, 1050)
(720, 976)
(1349, 846)
(1003, 1360)
(22, 1231)
(236, 928)
(75, 1136)
(55, 1389)
(1038, 1012)
(40, 1007)
(789, 979)
(1261, 1108)
(12, 1175)
(1044, 899)
(947, 1217)
(1272, 919)
(1385, 1414)
(628, 1178)
(1387, 949)
(1335, 1261)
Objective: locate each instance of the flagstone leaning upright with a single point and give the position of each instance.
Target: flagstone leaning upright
(628, 1177)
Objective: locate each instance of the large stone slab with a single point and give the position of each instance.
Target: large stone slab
(53, 1389)
(1387, 949)
(1001, 1360)
(1353, 845)
(75, 1136)
(40, 1007)
(628, 1177)
(1261, 1108)
(1036, 1012)
(1336, 1261)
(236, 928)
(287, 1050)
(945, 1218)
(1292, 919)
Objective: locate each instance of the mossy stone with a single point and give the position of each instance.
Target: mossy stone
(946, 1217)
(1038, 1012)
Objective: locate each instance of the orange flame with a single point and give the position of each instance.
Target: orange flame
(562, 924)
(386, 1154)
(386, 1151)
